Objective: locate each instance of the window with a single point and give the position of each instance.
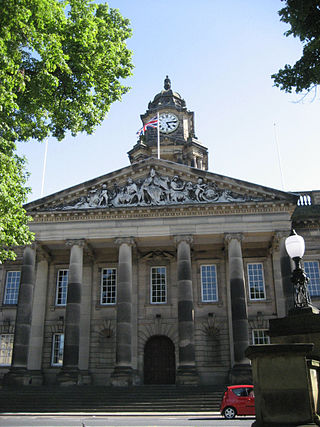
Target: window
(158, 285)
(6, 348)
(62, 287)
(57, 349)
(209, 290)
(108, 286)
(256, 281)
(313, 272)
(12, 287)
(259, 336)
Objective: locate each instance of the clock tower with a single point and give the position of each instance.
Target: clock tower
(178, 142)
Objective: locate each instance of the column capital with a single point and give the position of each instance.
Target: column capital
(277, 238)
(233, 236)
(43, 254)
(90, 252)
(125, 240)
(33, 246)
(75, 242)
(188, 238)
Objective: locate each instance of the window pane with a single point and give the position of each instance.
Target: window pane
(158, 285)
(12, 287)
(259, 336)
(6, 347)
(256, 281)
(108, 286)
(312, 271)
(209, 288)
(62, 287)
(57, 349)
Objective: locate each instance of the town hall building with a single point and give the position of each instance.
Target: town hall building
(158, 273)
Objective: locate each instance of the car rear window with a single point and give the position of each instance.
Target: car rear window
(242, 391)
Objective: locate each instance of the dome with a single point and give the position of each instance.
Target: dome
(167, 98)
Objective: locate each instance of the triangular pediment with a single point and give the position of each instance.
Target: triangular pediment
(156, 182)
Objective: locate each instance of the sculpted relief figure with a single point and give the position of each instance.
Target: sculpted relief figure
(156, 190)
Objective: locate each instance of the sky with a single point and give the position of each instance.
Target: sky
(219, 56)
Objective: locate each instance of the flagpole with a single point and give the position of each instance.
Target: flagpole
(44, 166)
(158, 131)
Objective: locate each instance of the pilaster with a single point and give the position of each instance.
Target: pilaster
(282, 274)
(38, 315)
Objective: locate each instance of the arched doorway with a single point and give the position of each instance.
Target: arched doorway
(159, 361)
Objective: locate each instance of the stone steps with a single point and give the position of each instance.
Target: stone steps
(110, 399)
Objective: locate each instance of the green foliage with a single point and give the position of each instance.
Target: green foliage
(61, 67)
(14, 229)
(304, 19)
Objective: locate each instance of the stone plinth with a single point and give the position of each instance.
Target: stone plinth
(300, 326)
(286, 385)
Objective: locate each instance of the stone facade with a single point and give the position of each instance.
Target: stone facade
(158, 257)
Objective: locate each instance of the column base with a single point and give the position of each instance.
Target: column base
(17, 376)
(241, 374)
(187, 375)
(36, 378)
(69, 377)
(122, 376)
(85, 377)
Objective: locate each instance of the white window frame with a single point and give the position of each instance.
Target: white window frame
(57, 349)
(11, 293)
(212, 284)
(108, 286)
(6, 349)
(252, 297)
(314, 276)
(153, 287)
(260, 335)
(60, 293)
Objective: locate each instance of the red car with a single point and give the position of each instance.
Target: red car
(238, 400)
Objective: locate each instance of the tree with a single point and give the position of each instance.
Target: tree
(61, 67)
(304, 19)
(14, 230)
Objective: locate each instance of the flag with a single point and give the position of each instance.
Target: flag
(153, 123)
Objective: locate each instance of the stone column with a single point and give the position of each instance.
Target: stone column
(70, 374)
(187, 372)
(241, 370)
(85, 321)
(18, 373)
(38, 317)
(282, 274)
(123, 373)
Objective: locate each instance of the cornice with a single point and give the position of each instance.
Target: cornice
(114, 214)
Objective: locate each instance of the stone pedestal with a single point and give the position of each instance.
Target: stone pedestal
(286, 385)
(300, 326)
(69, 377)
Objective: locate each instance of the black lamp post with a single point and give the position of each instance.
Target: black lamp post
(295, 247)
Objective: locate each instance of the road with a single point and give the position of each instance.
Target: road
(122, 420)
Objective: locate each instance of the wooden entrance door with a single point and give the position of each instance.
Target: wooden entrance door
(159, 361)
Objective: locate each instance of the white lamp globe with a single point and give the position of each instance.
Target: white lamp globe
(295, 245)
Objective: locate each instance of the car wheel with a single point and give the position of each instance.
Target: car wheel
(229, 413)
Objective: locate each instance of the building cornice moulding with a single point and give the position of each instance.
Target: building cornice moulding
(162, 212)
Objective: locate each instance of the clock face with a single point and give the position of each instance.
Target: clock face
(168, 122)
